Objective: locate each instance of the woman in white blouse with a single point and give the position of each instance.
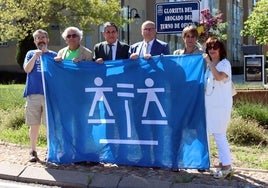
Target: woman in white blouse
(218, 101)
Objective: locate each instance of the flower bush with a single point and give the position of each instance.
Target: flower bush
(211, 25)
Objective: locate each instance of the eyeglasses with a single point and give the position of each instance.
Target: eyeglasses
(148, 29)
(214, 47)
(110, 32)
(40, 38)
(72, 36)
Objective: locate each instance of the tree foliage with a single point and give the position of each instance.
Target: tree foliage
(257, 23)
(19, 18)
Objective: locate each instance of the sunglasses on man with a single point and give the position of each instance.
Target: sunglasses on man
(72, 36)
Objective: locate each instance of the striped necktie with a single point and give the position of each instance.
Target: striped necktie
(110, 53)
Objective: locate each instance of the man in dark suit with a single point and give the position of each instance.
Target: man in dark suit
(150, 46)
(111, 48)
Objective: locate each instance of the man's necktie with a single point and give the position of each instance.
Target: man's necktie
(110, 53)
(146, 48)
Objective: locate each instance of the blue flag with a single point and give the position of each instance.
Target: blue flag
(131, 112)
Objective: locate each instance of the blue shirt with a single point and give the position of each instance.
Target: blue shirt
(34, 84)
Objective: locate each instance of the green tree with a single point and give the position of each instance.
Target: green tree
(257, 23)
(20, 18)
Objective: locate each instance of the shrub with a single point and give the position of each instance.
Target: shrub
(13, 119)
(254, 111)
(20, 136)
(14, 130)
(11, 96)
(246, 132)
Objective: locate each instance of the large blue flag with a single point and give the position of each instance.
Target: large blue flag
(132, 112)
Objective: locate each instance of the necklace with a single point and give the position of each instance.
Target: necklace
(209, 82)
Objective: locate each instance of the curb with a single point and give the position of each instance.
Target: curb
(74, 179)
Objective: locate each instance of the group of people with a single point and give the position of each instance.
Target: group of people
(111, 48)
(218, 77)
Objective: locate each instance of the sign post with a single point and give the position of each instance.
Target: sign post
(174, 17)
(254, 68)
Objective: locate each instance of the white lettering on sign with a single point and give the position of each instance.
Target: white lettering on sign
(188, 17)
(183, 25)
(188, 9)
(173, 18)
(173, 10)
(166, 26)
(177, 25)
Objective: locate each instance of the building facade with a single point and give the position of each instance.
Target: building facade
(235, 13)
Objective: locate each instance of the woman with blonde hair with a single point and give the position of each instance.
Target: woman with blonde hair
(189, 36)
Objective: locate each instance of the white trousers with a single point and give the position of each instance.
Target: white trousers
(223, 148)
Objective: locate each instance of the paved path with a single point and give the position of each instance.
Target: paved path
(14, 166)
(91, 178)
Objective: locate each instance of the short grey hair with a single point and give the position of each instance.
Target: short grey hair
(39, 31)
(77, 31)
(109, 24)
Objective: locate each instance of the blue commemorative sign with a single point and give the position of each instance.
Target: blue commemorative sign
(173, 17)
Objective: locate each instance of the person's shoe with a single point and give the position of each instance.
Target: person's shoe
(175, 170)
(224, 173)
(93, 163)
(33, 157)
(81, 163)
(202, 170)
(215, 171)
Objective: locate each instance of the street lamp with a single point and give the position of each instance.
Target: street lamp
(129, 16)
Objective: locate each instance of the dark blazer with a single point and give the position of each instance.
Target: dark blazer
(100, 51)
(159, 47)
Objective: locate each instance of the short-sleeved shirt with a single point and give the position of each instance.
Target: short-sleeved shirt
(34, 84)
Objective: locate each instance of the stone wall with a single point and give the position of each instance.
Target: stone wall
(252, 96)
